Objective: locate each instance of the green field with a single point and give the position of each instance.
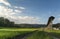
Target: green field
(39, 34)
(11, 32)
(44, 34)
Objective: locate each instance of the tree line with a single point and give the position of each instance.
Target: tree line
(4, 22)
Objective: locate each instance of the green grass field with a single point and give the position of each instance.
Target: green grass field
(44, 34)
(11, 32)
(40, 34)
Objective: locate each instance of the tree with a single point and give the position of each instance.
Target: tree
(5, 22)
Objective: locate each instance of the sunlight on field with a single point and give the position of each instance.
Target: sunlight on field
(22, 29)
(56, 31)
(6, 33)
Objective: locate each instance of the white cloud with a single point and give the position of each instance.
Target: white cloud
(18, 11)
(10, 14)
(26, 19)
(15, 6)
(57, 20)
(22, 8)
(5, 11)
(5, 2)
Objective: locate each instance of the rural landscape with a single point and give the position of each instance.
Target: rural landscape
(29, 19)
(10, 30)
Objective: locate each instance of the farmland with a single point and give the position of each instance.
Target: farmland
(6, 33)
(47, 34)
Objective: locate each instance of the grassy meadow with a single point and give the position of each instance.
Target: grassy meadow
(39, 34)
(44, 34)
(11, 32)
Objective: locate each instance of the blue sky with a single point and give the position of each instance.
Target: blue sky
(40, 10)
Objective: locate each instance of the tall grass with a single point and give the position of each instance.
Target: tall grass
(40, 35)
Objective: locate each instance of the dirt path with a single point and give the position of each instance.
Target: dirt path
(23, 36)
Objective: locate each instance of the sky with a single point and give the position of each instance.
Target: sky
(30, 11)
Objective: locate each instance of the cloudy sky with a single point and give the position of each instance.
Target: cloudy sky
(30, 11)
